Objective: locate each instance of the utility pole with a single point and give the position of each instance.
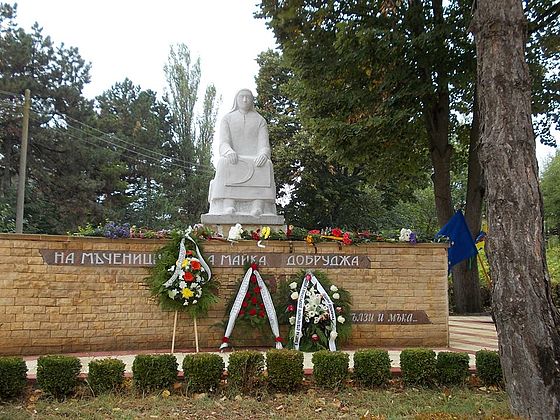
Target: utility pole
(23, 162)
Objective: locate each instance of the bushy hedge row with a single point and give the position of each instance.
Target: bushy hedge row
(58, 375)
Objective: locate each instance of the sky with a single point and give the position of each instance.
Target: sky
(132, 39)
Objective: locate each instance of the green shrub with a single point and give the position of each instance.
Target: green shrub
(13, 377)
(418, 366)
(372, 367)
(105, 375)
(58, 375)
(330, 368)
(285, 369)
(488, 367)
(203, 371)
(452, 368)
(151, 372)
(245, 371)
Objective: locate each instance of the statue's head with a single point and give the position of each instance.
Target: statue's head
(244, 101)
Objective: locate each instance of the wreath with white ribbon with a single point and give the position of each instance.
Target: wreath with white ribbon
(252, 276)
(316, 310)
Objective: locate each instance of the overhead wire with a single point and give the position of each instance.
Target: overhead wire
(87, 139)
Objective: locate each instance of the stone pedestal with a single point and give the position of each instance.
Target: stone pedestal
(223, 222)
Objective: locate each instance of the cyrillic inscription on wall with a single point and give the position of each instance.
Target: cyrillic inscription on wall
(391, 317)
(98, 258)
(276, 260)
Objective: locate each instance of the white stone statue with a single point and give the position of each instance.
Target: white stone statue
(244, 180)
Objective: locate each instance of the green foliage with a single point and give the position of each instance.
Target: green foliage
(245, 371)
(322, 192)
(330, 368)
(105, 375)
(286, 310)
(418, 366)
(58, 375)
(489, 368)
(372, 367)
(153, 372)
(550, 186)
(285, 369)
(13, 377)
(203, 372)
(159, 274)
(452, 368)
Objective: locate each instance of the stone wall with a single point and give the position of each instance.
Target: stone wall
(70, 294)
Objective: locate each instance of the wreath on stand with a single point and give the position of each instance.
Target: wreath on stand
(324, 311)
(181, 280)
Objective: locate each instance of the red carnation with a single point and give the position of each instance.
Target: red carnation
(225, 340)
(315, 337)
(188, 276)
(255, 235)
(253, 278)
(291, 308)
(253, 312)
(337, 232)
(257, 289)
(261, 314)
(346, 239)
(248, 295)
(261, 305)
(189, 253)
(278, 339)
(254, 266)
(245, 304)
(314, 232)
(241, 313)
(254, 300)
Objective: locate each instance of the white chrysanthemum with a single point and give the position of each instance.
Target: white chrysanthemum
(341, 319)
(294, 295)
(334, 288)
(336, 296)
(172, 293)
(172, 268)
(316, 320)
(194, 301)
(293, 285)
(334, 334)
(292, 320)
(182, 284)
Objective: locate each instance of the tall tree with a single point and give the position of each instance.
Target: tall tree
(387, 79)
(528, 324)
(192, 135)
(134, 128)
(58, 164)
(314, 192)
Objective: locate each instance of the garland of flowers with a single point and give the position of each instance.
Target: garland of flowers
(180, 279)
(253, 305)
(317, 326)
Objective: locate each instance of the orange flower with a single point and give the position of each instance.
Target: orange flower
(195, 265)
(188, 276)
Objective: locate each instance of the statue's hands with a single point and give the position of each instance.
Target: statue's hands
(231, 157)
(260, 160)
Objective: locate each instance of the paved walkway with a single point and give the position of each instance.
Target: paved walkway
(466, 334)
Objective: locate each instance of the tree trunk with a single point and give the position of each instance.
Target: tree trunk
(528, 324)
(466, 286)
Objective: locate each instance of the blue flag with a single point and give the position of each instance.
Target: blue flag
(461, 244)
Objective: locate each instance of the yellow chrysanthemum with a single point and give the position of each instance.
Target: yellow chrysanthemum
(186, 262)
(187, 293)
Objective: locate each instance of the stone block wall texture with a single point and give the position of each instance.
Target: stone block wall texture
(67, 308)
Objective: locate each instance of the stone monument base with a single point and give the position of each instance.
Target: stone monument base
(223, 222)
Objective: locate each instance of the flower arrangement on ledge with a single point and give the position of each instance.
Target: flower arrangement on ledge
(316, 326)
(293, 233)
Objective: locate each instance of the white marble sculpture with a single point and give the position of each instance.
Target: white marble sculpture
(243, 188)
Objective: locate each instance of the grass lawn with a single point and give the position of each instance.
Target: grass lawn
(393, 402)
